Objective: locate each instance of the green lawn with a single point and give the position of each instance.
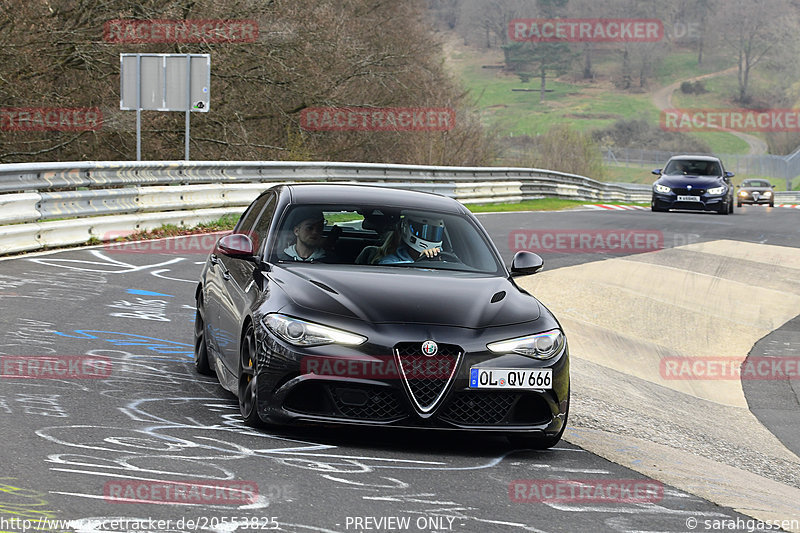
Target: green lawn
(520, 113)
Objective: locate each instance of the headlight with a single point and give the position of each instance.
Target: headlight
(541, 346)
(767, 194)
(301, 333)
(662, 188)
(742, 193)
(716, 190)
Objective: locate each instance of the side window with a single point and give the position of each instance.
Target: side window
(261, 228)
(249, 217)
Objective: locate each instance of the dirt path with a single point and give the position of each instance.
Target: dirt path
(662, 99)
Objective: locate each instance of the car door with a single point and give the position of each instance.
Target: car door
(239, 288)
(215, 284)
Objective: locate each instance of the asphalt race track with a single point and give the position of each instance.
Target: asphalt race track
(722, 453)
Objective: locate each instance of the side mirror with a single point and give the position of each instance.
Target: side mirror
(729, 174)
(657, 171)
(236, 245)
(525, 263)
(772, 186)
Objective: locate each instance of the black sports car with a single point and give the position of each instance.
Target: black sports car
(693, 182)
(347, 304)
(755, 192)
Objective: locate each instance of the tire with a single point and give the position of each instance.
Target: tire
(201, 362)
(724, 209)
(522, 440)
(738, 204)
(730, 206)
(248, 379)
(772, 203)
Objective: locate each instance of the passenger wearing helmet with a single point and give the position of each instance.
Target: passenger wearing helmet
(420, 237)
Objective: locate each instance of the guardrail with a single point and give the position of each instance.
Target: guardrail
(57, 204)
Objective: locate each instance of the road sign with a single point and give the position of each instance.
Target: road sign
(164, 82)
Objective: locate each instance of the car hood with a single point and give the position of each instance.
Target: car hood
(698, 182)
(407, 295)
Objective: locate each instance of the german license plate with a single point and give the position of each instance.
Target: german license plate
(688, 198)
(510, 378)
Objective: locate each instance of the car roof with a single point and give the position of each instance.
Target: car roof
(694, 158)
(333, 193)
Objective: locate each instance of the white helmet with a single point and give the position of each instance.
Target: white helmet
(422, 231)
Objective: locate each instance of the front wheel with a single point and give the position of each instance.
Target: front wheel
(248, 379)
(201, 362)
(772, 203)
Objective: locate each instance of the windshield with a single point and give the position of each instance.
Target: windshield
(383, 237)
(691, 167)
(756, 183)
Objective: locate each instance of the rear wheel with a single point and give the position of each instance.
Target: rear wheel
(248, 379)
(201, 363)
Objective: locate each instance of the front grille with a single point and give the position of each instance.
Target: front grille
(426, 377)
(377, 405)
(479, 408)
(682, 191)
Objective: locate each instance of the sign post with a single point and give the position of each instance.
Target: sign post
(164, 82)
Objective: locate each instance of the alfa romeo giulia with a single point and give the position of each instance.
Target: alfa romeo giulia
(365, 305)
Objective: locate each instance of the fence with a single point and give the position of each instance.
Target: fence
(56, 204)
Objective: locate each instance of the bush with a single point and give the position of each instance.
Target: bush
(698, 87)
(639, 133)
(565, 150)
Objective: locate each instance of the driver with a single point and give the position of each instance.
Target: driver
(420, 238)
(309, 240)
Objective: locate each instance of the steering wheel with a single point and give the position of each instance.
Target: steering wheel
(441, 256)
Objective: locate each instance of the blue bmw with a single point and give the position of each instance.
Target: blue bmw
(693, 182)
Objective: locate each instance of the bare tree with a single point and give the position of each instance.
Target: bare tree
(368, 53)
(754, 29)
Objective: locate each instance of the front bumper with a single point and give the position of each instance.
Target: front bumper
(751, 199)
(670, 201)
(289, 393)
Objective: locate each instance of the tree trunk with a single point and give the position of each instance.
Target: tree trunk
(587, 65)
(626, 70)
(700, 51)
(543, 75)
